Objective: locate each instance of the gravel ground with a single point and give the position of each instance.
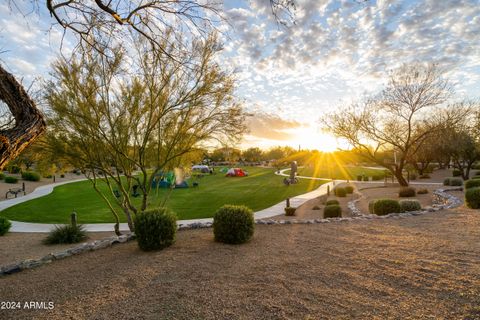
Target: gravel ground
(425, 267)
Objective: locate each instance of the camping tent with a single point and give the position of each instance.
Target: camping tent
(201, 168)
(236, 172)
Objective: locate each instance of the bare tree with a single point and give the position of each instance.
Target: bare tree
(399, 119)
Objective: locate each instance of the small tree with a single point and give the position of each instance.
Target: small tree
(123, 126)
(397, 120)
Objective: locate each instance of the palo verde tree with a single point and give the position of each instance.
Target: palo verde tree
(124, 120)
(398, 120)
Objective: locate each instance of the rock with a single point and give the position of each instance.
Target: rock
(30, 263)
(101, 244)
(48, 258)
(11, 269)
(61, 255)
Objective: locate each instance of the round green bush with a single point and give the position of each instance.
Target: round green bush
(330, 202)
(371, 203)
(406, 192)
(382, 207)
(10, 179)
(155, 229)
(472, 183)
(349, 189)
(365, 178)
(422, 191)
(2, 176)
(233, 224)
(410, 205)
(340, 192)
(472, 198)
(377, 177)
(446, 182)
(30, 176)
(290, 211)
(66, 234)
(456, 182)
(456, 173)
(5, 225)
(332, 211)
(359, 178)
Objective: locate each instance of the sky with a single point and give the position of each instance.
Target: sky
(289, 77)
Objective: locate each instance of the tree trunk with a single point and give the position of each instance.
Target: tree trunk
(29, 122)
(399, 175)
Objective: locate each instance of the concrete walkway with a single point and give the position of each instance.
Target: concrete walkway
(18, 226)
(274, 210)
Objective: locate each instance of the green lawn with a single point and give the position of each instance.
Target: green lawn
(260, 190)
(337, 172)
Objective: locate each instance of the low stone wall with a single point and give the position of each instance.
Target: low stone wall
(84, 247)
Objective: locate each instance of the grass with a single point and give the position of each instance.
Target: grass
(337, 172)
(260, 190)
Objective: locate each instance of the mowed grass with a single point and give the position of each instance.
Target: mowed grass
(260, 190)
(338, 172)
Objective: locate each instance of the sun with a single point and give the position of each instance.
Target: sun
(309, 138)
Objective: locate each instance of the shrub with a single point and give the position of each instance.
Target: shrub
(410, 205)
(316, 208)
(413, 176)
(406, 192)
(472, 184)
(475, 177)
(10, 179)
(66, 234)
(290, 211)
(425, 176)
(14, 169)
(456, 181)
(349, 189)
(422, 191)
(62, 176)
(233, 224)
(332, 211)
(365, 178)
(155, 229)
(331, 202)
(371, 203)
(359, 178)
(385, 206)
(2, 176)
(377, 177)
(340, 192)
(472, 198)
(30, 176)
(5, 225)
(456, 173)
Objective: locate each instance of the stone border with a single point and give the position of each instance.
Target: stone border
(84, 247)
(442, 200)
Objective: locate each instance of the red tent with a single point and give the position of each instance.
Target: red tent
(235, 172)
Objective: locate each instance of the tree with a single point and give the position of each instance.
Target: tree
(399, 119)
(111, 121)
(253, 154)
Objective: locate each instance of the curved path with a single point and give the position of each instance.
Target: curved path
(18, 226)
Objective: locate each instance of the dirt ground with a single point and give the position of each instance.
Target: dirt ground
(15, 247)
(31, 185)
(424, 267)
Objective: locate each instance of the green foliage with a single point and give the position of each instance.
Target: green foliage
(472, 183)
(475, 177)
(2, 176)
(365, 178)
(5, 225)
(359, 177)
(331, 202)
(371, 204)
(406, 192)
(332, 211)
(155, 229)
(422, 191)
(382, 207)
(10, 179)
(472, 198)
(340, 192)
(349, 189)
(456, 173)
(66, 234)
(453, 182)
(14, 169)
(290, 211)
(377, 177)
(410, 205)
(30, 176)
(233, 224)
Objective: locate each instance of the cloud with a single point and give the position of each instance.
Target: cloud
(272, 127)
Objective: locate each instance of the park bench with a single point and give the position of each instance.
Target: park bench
(14, 191)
